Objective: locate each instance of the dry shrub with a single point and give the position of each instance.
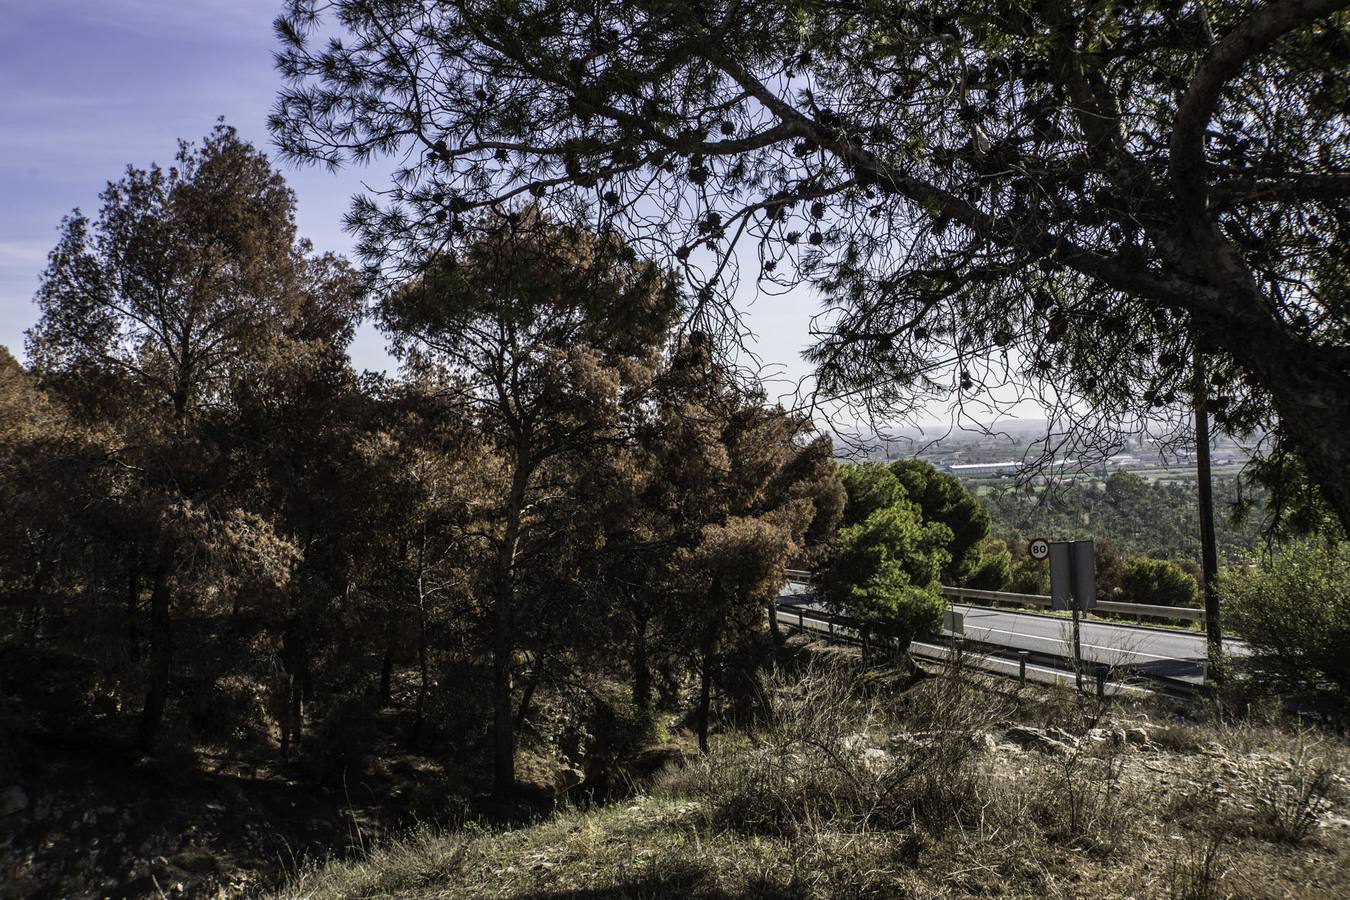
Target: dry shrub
(1292, 795)
(1079, 796)
(830, 754)
(1196, 873)
(1175, 738)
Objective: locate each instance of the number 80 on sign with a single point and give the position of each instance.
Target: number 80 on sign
(1039, 548)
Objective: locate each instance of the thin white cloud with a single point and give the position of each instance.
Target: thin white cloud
(29, 256)
(159, 17)
(28, 98)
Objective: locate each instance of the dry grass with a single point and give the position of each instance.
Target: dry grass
(1295, 793)
(833, 756)
(960, 786)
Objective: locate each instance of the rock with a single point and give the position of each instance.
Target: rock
(875, 760)
(1036, 739)
(1114, 736)
(651, 760)
(12, 800)
(1138, 737)
(854, 743)
(1331, 820)
(541, 781)
(1064, 737)
(903, 742)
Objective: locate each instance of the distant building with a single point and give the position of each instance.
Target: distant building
(993, 468)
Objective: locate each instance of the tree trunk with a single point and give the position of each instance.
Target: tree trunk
(41, 576)
(300, 692)
(133, 608)
(709, 650)
(642, 673)
(1209, 553)
(422, 668)
(779, 639)
(391, 629)
(1324, 447)
(503, 730)
(387, 663)
(290, 726)
(1310, 390)
(294, 658)
(161, 656)
(286, 729)
(503, 644)
(528, 695)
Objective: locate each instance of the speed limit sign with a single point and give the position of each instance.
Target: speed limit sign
(1039, 548)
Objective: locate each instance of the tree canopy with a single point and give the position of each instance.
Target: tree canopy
(1074, 199)
(1152, 518)
(546, 331)
(1160, 581)
(739, 489)
(218, 531)
(884, 565)
(938, 498)
(943, 498)
(157, 318)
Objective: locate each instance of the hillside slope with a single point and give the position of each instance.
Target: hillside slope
(957, 787)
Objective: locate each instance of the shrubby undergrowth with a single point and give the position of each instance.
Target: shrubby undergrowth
(833, 754)
(861, 784)
(1294, 612)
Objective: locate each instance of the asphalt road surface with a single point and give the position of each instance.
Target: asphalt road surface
(1154, 651)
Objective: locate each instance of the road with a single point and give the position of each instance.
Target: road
(1153, 651)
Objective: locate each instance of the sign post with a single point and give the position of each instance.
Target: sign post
(1073, 586)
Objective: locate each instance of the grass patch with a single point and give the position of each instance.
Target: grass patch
(958, 786)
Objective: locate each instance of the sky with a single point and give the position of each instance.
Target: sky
(90, 86)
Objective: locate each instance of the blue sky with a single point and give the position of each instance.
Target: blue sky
(89, 86)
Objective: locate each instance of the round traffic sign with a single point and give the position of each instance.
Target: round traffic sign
(1039, 548)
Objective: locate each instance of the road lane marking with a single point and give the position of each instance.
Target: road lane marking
(1067, 641)
(1148, 639)
(1064, 641)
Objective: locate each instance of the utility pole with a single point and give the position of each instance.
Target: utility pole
(1077, 648)
(1209, 551)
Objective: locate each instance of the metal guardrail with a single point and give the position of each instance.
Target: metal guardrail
(839, 628)
(1186, 613)
(1053, 670)
(1041, 601)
